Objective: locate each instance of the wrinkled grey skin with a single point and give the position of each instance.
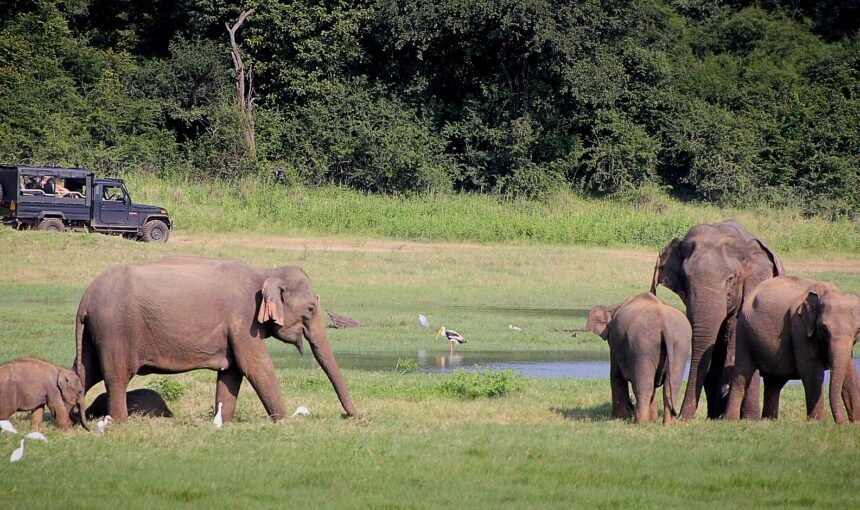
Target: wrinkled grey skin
(649, 343)
(712, 270)
(796, 328)
(30, 384)
(177, 314)
(144, 402)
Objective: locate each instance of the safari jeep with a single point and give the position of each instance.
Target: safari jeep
(59, 199)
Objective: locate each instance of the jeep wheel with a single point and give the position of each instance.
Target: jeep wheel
(155, 231)
(52, 225)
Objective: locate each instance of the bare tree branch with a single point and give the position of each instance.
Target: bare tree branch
(244, 95)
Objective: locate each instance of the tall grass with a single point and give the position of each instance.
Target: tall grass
(255, 206)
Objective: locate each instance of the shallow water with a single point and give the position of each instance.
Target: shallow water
(542, 364)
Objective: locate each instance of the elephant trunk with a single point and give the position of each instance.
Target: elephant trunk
(321, 348)
(840, 362)
(82, 414)
(706, 322)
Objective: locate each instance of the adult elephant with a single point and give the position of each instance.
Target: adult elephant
(177, 314)
(796, 328)
(712, 270)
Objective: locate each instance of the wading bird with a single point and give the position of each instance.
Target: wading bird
(101, 424)
(423, 322)
(37, 436)
(218, 421)
(301, 411)
(452, 336)
(18, 453)
(6, 426)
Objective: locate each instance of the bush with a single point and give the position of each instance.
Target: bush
(406, 366)
(482, 382)
(169, 389)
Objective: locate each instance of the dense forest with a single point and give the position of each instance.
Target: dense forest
(732, 102)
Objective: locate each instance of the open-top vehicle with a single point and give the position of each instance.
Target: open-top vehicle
(58, 199)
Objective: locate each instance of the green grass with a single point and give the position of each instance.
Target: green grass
(565, 218)
(551, 444)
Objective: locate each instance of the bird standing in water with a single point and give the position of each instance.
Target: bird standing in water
(452, 336)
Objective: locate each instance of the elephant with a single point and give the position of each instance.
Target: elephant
(649, 343)
(795, 328)
(30, 384)
(712, 270)
(175, 314)
(144, 402)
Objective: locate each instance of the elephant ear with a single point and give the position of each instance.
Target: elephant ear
(272, 302)
(669, 271)
(70, 387)
(778, 270)
(598, 321)
(808, 312)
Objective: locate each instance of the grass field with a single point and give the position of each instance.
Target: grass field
(414, 446)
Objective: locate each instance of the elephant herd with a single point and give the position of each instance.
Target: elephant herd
(744, 318)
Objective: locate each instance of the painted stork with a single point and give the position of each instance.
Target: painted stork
(452, 336)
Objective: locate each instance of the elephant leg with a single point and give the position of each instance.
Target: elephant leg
(117, 375)
(36, 418)
(652, 408)
(227, 390)
(257, 367)
(751, 407)
(117, 403)
(851, 395)
(813, 387)
(772, 389)
(58, 409)
(621, 404)
(643, 389)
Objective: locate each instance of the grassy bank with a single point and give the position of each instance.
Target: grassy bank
(650, 219)
(550, 445)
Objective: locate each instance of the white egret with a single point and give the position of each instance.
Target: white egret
(301, 411)
(511, 327)
(423, 322)
(6, 426)
(101, 424)
(18, 453)
(36, 436)
(218, 421)
(452, 336)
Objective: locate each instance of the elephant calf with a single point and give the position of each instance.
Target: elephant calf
(29, 384)
(796, 328)
(649, 342)
(144, 402)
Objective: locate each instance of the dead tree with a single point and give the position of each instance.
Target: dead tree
(244, 93)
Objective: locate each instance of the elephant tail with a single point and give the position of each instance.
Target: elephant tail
(79, 366)
(666, 346)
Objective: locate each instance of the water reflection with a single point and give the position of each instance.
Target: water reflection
(543, 364)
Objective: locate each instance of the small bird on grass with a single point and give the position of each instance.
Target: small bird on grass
(511, 327)
(36, 436)
(301, 411)
(218, 421)
(452, 336)
(6, 426)
(101, 424)
(423, 322)
(18, 453)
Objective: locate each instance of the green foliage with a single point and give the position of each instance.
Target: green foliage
(482, 382)
(170, 389)
(738, 103)
(406, 365)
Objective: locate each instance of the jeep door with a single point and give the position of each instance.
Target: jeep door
(114, 204)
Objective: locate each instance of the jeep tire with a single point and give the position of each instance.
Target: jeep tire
(52, 225)
(155, 231)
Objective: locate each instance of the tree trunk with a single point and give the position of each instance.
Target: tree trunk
(244, 94)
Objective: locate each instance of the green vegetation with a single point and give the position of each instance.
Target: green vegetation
(550, 444)
(483, 382)
(741, 103)
(646, 218)
(170, 389)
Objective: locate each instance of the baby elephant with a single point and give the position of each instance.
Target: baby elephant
(649, 343)
(143, 401)
(29, 384)
(795, 328)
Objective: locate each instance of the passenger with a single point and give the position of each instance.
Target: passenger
(47, 185)
(61, 190)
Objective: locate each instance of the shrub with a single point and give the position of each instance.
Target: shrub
(482, 382)
(406, 365)
(168, 388)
